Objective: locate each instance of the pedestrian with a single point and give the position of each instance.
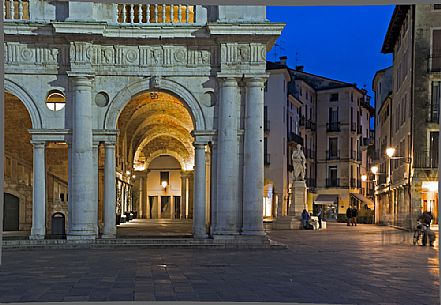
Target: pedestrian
(349, 215)
(305, 219)
(426, 219)
(354, 215)
(320, 215)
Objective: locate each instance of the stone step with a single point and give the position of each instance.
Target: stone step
(238, 243)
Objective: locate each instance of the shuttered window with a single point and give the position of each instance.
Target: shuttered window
(436, 51)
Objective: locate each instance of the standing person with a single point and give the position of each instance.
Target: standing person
(349, 215)
(305, 219)
(426, 219)
(354, 215)
(320, 215)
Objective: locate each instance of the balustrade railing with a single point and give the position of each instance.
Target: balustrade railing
(154, 13)
(16, 9)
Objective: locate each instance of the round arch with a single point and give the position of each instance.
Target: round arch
(125, 95)
(14, 89)
(170, 153)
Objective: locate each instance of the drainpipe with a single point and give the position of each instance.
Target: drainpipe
(410, 134)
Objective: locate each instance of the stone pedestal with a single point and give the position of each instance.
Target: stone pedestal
(298, 202)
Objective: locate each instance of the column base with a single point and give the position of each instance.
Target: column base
(108, 236)
(287, 223)
(80, 237)
(36, 237)
(200, 236)
(254, 232)
(225, 235)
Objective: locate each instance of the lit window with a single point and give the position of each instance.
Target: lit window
(55, 101)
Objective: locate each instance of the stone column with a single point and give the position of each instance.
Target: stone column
(159, 205)
(109, 192)
(84, 220)
(172, 207)
(38, 230)
(146, 202)
(213, 189)
(183, 195)
(253, 159)
(141, 198)
(227, 159)
(199, 209)
(69, 183)
(190, 195)
(95, 150)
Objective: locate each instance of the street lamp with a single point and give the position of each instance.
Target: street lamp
(364, 179)
(374, 170)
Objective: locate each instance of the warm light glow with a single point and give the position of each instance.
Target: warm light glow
(164, 184)
(128, 173)
(390, 152)
(134, 176)
(139, 167)
(188, 166)
(363, 178)
(374, 169)
(431, 186)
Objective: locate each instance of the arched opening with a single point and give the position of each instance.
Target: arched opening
(154, 164)
(18, 165)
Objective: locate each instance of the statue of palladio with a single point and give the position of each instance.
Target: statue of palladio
(299, 164)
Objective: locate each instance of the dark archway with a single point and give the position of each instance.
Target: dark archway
(11, 213)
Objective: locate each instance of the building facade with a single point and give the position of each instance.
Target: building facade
(144, 108)
(411, 183)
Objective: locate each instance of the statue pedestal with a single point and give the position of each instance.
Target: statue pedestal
(293, 220)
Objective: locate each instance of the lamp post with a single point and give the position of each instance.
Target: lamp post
(374, 170)
(390, 152)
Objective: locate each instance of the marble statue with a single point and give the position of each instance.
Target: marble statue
(299, 164)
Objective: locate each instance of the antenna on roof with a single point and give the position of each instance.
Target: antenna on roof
(277, 48)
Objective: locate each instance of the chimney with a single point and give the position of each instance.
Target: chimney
(299, 68)
(283, 60)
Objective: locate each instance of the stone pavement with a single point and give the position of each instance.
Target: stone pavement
(345, 265)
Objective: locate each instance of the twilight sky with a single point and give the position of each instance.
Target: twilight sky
(339, 42)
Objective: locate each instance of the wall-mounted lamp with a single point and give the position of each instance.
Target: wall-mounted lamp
(128, 173)
(364, 177)
(374, 169)
(164, 184)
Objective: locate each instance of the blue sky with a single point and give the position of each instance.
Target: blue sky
(339, 42)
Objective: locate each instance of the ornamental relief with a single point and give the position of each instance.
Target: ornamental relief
(239, 54)
(81, 53)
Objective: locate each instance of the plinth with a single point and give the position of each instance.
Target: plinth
(293, 220)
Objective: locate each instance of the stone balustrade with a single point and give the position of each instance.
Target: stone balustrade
(154, 13)
(16, 10)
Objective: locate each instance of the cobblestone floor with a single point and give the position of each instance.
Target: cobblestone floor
(347, 265)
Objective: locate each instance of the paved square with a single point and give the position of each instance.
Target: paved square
(350, 265)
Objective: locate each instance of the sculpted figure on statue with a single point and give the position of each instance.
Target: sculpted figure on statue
(299, 164)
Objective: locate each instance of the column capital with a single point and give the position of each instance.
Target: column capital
(81, 80)
(109, 145)
(38, 143)
(256, 81)
(228, 81)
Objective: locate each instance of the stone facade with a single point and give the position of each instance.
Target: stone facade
(107, 60)
(415, 40)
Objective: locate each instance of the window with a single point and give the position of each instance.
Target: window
(266, 86)
(307, 96)
(433, 154)
(55, 100)
(437, 6)
(332, 176)
(435, 101)
(333, 145)
(436, 51)
(333, 97)
(301, 93)
(333, 115)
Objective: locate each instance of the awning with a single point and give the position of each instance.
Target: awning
(326, 199)
(363, 199)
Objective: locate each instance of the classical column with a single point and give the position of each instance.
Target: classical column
(84, 220)
(159, 205)
(227, 159)
(146, 202)
(109, 192)
(38, 230)
(190, 202)
(69, 184)
(183, 195)
(213, 189)
(141, 198)
(253, 159)
(95, 146)
(172, 207)
(199, 223)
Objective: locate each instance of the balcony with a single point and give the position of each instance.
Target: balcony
(266, 159)
(310, 125)
(426, 159)
(334, 126)
(16, 10)
(435, 62)
(155, 13)
(294, 138)
(266, 125)
(367, 141)
(332, 182)
(332, 154)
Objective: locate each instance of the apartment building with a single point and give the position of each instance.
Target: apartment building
(408, 178)
(331, 120)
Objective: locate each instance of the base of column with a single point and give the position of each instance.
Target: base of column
(287, 223)
(82, 233)
(108, 236)
(200, 236)
(225, 235)
(80, 237)
(36, 237)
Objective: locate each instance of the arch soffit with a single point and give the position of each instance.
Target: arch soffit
(16, 90)
(186, 146)
(125, 95)
(150, 131)
(158, 153)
